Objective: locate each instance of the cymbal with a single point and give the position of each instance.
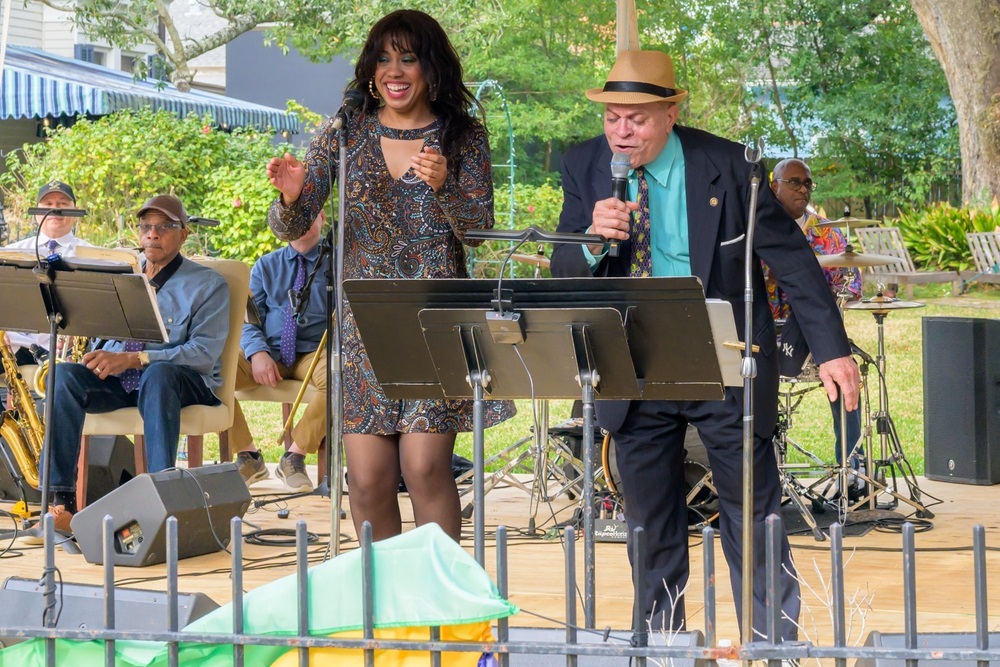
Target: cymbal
(534, 260)
(881, 305)
(850, 258)
(849, 222)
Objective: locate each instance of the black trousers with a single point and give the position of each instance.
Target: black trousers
(650, 450)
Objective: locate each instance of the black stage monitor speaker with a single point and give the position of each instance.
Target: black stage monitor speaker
(21, 605)
(962, 399)
(110, 463)
(203, 500)
(552, 636)
(925, 640)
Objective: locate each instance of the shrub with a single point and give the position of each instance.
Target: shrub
(118, 161)
(935, 236)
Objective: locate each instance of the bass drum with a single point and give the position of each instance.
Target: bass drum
(702, 499)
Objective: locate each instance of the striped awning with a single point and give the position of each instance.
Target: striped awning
(37, 84)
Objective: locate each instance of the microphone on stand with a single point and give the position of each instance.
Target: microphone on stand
(353, 99)
(619, 188)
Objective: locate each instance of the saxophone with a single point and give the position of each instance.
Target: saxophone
(21, 428)
(77, 346)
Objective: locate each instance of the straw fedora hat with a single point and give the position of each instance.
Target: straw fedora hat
(639, 77)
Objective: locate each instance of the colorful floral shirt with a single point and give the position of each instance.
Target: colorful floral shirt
(824, 241)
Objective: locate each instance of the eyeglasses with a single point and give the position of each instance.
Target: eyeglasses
(144, 227)
(796, 184)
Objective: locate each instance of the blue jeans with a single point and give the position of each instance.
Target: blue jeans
(164, 388)
(853, 431)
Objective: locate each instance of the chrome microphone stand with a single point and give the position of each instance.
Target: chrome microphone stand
(749, 371)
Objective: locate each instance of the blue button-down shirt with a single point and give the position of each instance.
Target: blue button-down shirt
(270, 279)
(194, 305)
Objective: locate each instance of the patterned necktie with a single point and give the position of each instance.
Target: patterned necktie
(290, 330)
(642, 264)
(52, 244)
(130, 377)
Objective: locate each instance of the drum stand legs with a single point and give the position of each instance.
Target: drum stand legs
(550, 459)
(794, 490)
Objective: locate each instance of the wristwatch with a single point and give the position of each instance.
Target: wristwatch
(143, 359)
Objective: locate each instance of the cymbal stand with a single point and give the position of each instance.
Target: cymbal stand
(891, 458)
(791, 487)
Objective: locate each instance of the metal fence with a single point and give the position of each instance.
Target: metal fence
(579, 645)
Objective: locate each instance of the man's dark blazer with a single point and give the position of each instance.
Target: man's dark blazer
(718, 198)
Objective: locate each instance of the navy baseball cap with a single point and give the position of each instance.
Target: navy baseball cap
(56, 186)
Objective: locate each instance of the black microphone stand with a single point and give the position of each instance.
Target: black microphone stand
(45, 272)
(749, 371)
(334, 347)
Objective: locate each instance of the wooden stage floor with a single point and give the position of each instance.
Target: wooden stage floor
(945, 598)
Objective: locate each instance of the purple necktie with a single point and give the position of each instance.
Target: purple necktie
(290, 330)
(642, 264)
(52, 244)
(130, 377)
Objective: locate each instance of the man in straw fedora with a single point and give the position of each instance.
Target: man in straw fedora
(689, 194)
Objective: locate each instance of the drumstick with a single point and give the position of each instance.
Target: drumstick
(740, 346)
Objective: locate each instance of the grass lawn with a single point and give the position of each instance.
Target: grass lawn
(811, 426)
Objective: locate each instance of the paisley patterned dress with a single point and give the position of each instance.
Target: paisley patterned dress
(396, 228)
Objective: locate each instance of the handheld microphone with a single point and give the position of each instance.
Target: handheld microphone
(353, 98)
(619, 188)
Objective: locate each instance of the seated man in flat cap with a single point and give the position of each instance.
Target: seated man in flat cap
(54, 237)
(159, 378)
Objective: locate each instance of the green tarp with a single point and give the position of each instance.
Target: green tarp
(422, 578)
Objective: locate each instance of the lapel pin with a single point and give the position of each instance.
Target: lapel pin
(714, 201)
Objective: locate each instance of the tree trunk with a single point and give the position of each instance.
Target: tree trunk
(965, 37)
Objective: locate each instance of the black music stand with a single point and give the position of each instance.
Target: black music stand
(94, 300)
(75, 298)
(608, 338)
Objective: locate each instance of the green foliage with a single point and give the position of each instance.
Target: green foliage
(537, 205)
(935, 236)
(118, 161)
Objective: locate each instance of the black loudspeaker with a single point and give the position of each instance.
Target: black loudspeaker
(21, 605)
(961, 399)
(618, 638)
(110, 463)
(203, 500)
(925, 640)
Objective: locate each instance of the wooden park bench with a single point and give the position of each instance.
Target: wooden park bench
(985, 249)
(888, 241)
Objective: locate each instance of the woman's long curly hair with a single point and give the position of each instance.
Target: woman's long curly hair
(449, 98)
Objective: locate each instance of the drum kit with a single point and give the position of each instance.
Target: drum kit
(881, 463)
(808, 482)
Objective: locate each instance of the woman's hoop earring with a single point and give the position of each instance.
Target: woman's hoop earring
(371, 88)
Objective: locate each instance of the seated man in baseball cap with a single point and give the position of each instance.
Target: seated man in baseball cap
(158, 378)
(54, 237)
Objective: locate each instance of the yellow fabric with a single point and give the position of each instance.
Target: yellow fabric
(330, 657)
